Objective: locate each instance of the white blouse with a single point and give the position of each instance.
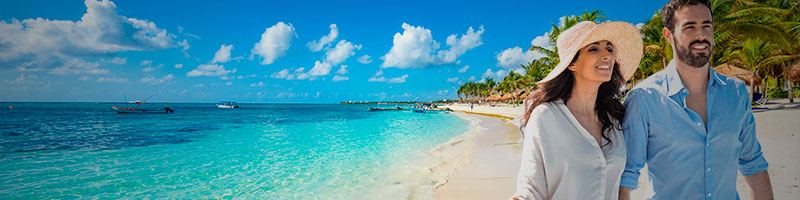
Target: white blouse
(561, 160)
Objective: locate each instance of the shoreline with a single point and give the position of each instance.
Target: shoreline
(482, 176)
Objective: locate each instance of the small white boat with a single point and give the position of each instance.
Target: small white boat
(227, 105)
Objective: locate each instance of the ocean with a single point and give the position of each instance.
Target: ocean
(263, 151)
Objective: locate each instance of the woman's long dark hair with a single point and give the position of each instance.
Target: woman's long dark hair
(608, 104)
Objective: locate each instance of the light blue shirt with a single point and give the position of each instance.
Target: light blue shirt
(687, 159)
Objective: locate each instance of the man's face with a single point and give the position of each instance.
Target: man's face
(693, 37)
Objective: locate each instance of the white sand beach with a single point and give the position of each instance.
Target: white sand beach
(495, 159)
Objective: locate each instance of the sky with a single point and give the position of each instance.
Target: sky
(273, 51)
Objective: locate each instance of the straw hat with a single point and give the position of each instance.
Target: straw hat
(624, 36)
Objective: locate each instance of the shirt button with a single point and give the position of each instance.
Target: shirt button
(699, 124)
(709, 194)
(707, 144)
(709, 169)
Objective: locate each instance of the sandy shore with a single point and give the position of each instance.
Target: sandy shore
(496, 157)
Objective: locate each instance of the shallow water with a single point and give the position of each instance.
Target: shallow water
(273, 151)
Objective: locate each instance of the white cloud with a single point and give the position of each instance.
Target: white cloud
(415, 47)
(274, 42)
(259, 84)
(153, 80)
(199, 85)
(208, 70)
(497, 75)
(44, 44)
(84, 78)
(340, 52)
(148, 69)
(223, 55)
(340, 78)
(325, 40)
(639, 26)
(442, 92)
(514, 57)
(119, 61)
(112, 79)
(342, 70)
(294, 74)
(75, 66)
(463, 69)
(320, 69)
(452, 80)
(471, 78)
(178, 66)
(400, 79)
(146, 62)
(364, 59)
(228, 83)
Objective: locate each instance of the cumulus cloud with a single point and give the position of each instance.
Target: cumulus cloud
(155, 80)
(148, 69)
(415, 47)
(43, 44)
(364, 59)
(499, 74)
(274, 42)
(512, 58)
(75, 66)
(452, 80)
(341, 52)
(178, 66)
(342, 70)
(320, 69)
(340, 78)
(325, 40)
(146, 62)
(463, 69)
(208, 70)
(293, 74)
(223, 55)
(400, 79)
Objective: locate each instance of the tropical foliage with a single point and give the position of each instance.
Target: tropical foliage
(762, 36)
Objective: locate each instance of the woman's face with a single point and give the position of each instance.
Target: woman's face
(595, 62)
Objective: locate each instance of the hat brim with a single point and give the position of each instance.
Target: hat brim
(627, 41)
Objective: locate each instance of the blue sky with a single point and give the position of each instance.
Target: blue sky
(273, 52)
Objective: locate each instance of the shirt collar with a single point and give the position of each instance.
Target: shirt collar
(675, 85)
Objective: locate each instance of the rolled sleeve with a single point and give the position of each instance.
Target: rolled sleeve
(751, 159)
(635, 130)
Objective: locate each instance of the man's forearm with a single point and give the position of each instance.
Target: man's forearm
(759, 184)
(624, 193)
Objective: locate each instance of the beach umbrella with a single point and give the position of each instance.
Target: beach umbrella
(742, 74)
(792, 73)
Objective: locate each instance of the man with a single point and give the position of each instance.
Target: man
(692, 126)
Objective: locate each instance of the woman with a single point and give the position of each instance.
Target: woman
(573, 145)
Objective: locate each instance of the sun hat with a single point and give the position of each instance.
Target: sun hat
(624, 36)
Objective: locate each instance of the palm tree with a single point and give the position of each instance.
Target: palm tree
(754, 54)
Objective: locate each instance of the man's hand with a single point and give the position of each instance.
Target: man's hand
(760, 186)
(624, 193)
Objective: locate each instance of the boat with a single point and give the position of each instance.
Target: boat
(384, 109)
(425, 110)
(227, 105)
(137, 110)
(428, 108)
(122, 110)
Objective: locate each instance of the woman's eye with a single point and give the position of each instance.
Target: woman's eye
(610, 50)
(592, 49)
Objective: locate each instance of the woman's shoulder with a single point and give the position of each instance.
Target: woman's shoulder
(546, 109)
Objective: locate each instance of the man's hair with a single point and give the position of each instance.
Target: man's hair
(668, 11)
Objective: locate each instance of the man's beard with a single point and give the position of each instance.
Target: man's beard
(687, 57)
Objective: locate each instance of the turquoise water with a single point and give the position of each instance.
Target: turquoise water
(85, 150)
